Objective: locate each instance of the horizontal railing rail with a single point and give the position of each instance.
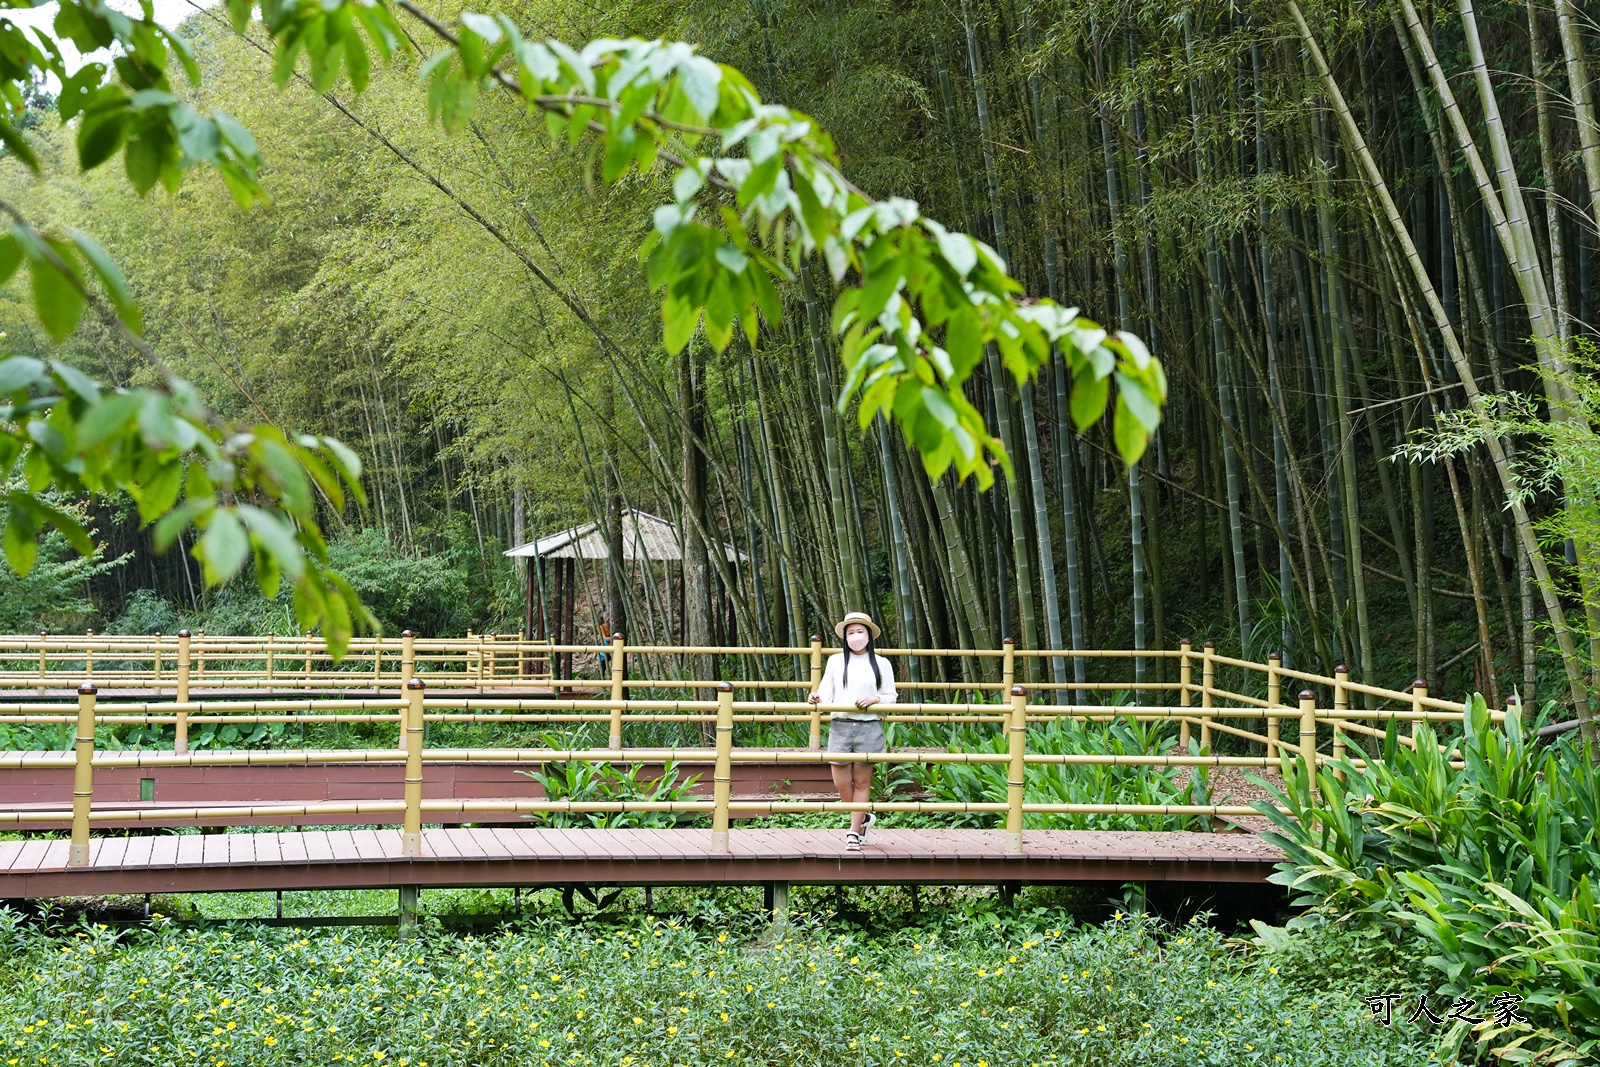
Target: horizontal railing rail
(1203, 704)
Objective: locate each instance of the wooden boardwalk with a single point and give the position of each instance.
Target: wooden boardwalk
(355, 859)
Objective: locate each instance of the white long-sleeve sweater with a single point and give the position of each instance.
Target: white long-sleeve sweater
(834, 689)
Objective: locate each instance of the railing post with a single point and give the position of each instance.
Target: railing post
(180, 741)
(272, 659)
(408, 656)
(722, 779)
(157, 678)
(1208, 683)
(1274, 699)
(1015, 775)
(377, 662)
(88, 654)
(1341, 704)
(82, 777)
(618, 690)
(200, 656)
(1419, 693)
(44, 661)
(411, 839)
(816, 683)
(1008, 664)
(1185, 680)
(1308, 735)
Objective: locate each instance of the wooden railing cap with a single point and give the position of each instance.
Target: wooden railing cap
(1019, 690)
(724, 687)
(88, 689)
(1306, 694)
(415, 683)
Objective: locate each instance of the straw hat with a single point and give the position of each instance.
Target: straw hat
(857, 616)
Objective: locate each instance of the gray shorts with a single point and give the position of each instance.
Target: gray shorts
(856, 735)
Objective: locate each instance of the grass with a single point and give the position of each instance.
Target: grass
(966, 987)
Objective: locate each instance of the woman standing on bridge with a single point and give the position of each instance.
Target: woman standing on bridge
(860, 677)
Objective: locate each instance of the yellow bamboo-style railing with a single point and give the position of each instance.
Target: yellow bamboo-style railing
(412, 709)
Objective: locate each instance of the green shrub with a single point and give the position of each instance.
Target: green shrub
(716, 989)
(1493, 864)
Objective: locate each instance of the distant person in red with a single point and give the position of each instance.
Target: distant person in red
(859, 677)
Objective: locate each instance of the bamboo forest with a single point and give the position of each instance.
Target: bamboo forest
(1170, 388)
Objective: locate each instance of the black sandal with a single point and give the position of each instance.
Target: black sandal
(852, 841)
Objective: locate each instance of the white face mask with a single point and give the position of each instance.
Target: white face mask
(857, 640)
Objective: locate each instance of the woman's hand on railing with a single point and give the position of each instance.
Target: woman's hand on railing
(867, 702)
(814, 698)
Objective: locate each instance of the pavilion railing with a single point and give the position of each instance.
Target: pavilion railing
(1202, 705)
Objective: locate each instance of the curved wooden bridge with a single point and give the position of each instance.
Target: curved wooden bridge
(413, 686)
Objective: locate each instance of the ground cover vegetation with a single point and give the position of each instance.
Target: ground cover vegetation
(991, 987)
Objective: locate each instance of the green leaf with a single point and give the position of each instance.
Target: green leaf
(10, 257)
(57, 298)
(22, 527)
(1089, 395)
(100, 135)
(223, 548)
(679, 319)
(67, 523)
(11, 137)
(276, 538)
(20, 372)
(111, 415)
(174, 522)
(1130, 436)
(110, 276)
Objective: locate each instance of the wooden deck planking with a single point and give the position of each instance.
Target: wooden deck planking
(543, 856)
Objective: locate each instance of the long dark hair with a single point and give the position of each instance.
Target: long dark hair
(871, 652)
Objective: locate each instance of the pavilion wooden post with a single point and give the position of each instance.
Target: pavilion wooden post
(181, 741)
(411, 838)
(408, 656)
(1274, 699)
(82, 777)
(816, 683)
(1185, 685)
(619, 692)
(1308, 735)
(1017, 736)
(1208, 684)
(722, 779)
(1341, 705)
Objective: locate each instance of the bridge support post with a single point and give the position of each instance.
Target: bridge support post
(1274, 699)
(1185, 684)
(777, 903)
(1308, 735)
(1017, 735)
(816, 682)
(408, 656)
(181, 741)
(82, 777)
(411, 838)
(1341, 705)
(1208, 684)
(722, 780)
(409, 895)
(618, 690)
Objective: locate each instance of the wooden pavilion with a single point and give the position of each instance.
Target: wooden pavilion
(645, 537)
